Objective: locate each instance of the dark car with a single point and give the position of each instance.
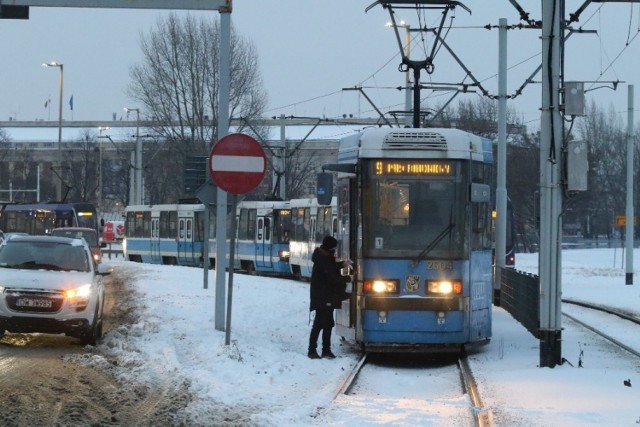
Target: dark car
(88, 234)
(50, 285)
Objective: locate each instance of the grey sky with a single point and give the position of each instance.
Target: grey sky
(308, 50)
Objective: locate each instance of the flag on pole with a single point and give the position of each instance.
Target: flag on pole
(71, 102)
(46, 103)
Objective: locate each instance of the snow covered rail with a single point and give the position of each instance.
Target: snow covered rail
(410, 389)
(345, 388)
(590, 315)
(482, 417)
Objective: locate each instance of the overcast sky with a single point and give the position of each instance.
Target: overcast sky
(309, 51)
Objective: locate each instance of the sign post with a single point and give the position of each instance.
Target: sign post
(237, 164)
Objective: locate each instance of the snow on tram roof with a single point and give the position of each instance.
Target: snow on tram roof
(296, 132)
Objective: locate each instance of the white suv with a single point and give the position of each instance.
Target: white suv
(50, 285)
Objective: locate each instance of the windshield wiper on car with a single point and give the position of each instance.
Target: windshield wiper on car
(52, 267)
(23, 265)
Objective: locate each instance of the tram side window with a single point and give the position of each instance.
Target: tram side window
(251, 224)
(297, 224)
(198, 228)
(243, 224)
(173, 225)
(281, 225)
(139, 225)
(324, 225)
(306, 225)
(247, 224)
(164, 225)
(135, 224)
(146, 224)
(481, 226)
(481, 235)
(129, 224)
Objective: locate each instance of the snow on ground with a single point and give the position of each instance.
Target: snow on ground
(264, 377)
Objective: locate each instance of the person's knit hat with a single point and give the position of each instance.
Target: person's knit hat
(329, 243)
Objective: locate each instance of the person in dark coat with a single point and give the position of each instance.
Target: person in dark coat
(327, 287)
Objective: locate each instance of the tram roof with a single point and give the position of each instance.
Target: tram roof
(440, 142)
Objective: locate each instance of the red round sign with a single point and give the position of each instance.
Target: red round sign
(237, 163)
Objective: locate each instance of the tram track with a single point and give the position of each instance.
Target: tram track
(607, 311)
(480, 416)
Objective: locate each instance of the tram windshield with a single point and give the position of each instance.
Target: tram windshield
(415, 214)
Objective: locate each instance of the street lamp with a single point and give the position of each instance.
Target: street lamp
(137, 199)
(407, 52)
(59, 161)
(100, 129)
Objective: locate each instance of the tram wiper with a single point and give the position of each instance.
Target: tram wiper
(432, 245)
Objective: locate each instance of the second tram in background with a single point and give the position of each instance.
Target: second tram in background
(41, 218)
(414, 215)
(272, 237)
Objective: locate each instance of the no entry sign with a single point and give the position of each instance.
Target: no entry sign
(237, 163)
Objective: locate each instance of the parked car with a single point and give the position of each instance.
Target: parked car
(51, 285)
(88, 234)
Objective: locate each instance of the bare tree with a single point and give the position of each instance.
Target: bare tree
(4, 144)
(81, 168)
(178, 85)
(605, 135)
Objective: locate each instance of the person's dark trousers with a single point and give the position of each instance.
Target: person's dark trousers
(322, 322)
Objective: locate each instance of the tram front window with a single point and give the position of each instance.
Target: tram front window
(407, 216)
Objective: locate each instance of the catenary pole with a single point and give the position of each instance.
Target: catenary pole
(551, 141)
(501, 190)
(629, 208)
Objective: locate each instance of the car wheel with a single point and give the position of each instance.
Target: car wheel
(94, 332)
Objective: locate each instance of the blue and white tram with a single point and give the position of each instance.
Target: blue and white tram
(414, 213)
(310, 223)
(171, 234)
(262, 240)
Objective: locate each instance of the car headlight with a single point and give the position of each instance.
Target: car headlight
(444, 287)
(380, 286)
(83, 291)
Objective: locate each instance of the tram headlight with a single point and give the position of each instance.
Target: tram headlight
(444, 287)
(380, 286)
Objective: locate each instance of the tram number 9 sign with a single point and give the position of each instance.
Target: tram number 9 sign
(237, 163)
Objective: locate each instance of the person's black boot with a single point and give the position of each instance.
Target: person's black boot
(313, 354)
(327, 354)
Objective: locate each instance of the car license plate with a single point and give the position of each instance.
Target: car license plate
(34, 303)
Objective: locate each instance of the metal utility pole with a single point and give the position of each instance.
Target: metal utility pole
(629, 209)
(221, 198)
(137, 172)
(501, 190)
(551, 141)
(281, 178)
(59, 153)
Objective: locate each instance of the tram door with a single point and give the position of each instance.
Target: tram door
(348, 324)
(156, 255)
(263, 242)
(185, 240)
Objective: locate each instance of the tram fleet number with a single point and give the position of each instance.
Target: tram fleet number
(439, 265)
